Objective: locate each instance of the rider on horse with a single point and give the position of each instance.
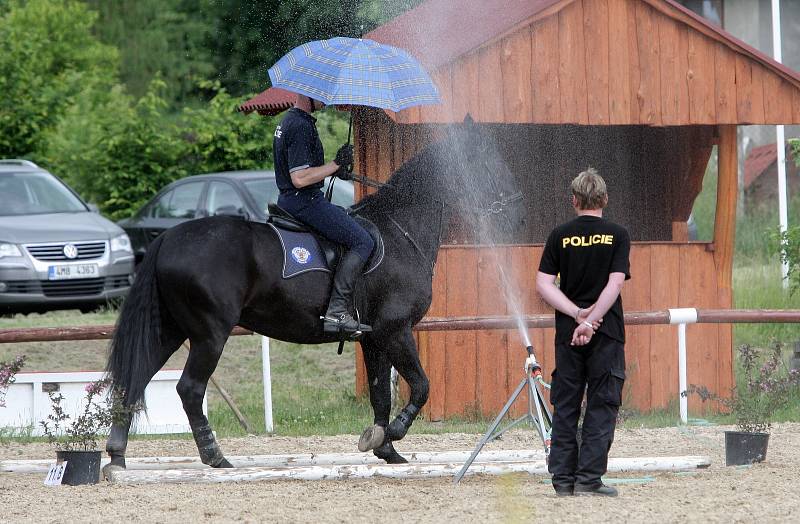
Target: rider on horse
(299, 174)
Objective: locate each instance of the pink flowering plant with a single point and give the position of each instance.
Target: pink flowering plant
(82, 433)
(7, 372)
(767, 385)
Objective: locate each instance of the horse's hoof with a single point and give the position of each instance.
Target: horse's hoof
(109, 470)
(372, 438)
(224, 464)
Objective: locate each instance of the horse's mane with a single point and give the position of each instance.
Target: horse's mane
(418, 180)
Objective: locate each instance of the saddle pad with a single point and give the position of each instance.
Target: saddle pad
(301, 252)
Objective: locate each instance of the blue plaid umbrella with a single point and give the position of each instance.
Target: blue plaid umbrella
(355, 71)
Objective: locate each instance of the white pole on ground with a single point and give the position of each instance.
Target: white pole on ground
(334, 472)
(682, 316)
(267, 376)
(780, 141)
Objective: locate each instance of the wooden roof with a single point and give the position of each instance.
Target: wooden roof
(650, 62)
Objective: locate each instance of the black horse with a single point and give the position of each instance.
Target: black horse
(203, 277)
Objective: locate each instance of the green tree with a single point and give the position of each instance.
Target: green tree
(249, 36)
(48, 57)
(165, 38)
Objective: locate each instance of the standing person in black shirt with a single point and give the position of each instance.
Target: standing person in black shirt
(300, 169)
(591, 256)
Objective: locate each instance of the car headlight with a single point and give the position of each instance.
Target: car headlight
(9, 250)
(121, 243)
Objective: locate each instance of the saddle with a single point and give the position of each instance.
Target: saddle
(304, 250)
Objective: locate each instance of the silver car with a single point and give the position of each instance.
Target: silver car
(55, 251)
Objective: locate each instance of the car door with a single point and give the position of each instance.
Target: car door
(174, 207)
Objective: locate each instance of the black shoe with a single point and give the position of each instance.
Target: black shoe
(344, 323)
(600, 490)
(564, 492)
(338, 318)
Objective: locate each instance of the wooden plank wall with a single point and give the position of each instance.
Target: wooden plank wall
(610, 61)
(476, 371)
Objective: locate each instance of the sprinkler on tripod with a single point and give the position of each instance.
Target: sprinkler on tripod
(538, 414)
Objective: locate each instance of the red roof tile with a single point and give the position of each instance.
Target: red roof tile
(759, 160)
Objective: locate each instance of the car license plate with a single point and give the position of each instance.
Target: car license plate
(73, 271)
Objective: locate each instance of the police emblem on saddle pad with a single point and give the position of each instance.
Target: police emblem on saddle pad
(303, 251)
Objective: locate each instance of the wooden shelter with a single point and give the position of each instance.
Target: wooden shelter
(641, 89)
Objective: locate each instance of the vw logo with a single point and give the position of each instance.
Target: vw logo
(70, 251)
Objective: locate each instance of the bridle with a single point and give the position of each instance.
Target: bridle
(496, 207)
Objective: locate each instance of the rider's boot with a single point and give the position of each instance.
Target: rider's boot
(338, 318)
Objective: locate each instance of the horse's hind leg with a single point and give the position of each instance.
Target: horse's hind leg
(203, 358)
(117, 443)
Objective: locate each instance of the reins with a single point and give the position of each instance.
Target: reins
(495, 208)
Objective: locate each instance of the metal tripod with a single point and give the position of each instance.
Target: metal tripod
(538, 414)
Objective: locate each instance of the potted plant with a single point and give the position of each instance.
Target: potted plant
(766, 386)
(76, 441)
(7, 372)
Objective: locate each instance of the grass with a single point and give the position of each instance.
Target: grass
(313, 386)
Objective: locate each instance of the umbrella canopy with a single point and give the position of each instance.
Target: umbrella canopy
(355, 71)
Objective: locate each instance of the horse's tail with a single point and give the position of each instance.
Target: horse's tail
(137, 336)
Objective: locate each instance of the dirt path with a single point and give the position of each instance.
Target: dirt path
(765, 492)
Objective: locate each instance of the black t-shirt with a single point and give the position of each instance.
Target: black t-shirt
(584, 252)
(296, 145)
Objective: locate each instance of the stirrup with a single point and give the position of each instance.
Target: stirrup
(337, 325)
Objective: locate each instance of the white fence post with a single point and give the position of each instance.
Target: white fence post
(267, 384)
(682, 316)
(684, 404)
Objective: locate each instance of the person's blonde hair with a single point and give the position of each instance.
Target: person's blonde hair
(589, 189)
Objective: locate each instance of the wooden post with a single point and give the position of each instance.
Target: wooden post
(725, 218)
(724, 243)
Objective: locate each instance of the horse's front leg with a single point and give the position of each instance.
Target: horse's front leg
(379, 370)
(401, 351)
(404, 357)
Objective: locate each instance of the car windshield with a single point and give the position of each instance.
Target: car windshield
(265, 192)
(36, 193)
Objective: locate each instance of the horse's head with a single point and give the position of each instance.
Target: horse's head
(462, 175)
(479, 185)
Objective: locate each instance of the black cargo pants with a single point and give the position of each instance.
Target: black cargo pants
(599, 369)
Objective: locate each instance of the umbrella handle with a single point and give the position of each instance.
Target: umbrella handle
(349, 133)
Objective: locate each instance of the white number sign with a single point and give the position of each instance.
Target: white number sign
(55, 474)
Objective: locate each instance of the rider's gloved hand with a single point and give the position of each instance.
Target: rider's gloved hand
(344, 157)
(343, 173)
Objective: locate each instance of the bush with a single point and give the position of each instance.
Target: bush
(767, 386)
(114, 152)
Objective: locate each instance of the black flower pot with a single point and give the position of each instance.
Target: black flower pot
(83, 467)
(743, 447)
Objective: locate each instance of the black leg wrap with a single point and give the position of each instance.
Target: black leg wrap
(210, 452)
(399, 426)
(387, 452)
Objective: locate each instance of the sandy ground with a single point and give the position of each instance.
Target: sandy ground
(765, 492)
